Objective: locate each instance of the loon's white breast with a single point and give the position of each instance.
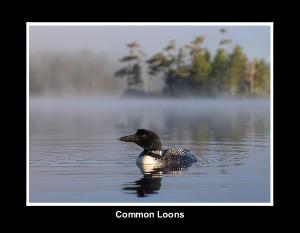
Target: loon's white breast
(148, 163)
(146, 159)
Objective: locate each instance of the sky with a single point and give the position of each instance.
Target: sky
(111, 40)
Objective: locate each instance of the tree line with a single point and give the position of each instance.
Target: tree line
(191, 70)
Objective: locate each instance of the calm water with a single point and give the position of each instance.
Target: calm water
(74, 154)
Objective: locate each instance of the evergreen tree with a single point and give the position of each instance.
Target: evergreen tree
(200, 66)
(219, 71)
(262, 78)
(132, 69)
(236, 75)
(164, 63)
(182, 70)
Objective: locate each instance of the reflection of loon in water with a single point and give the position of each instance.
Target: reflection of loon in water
(150, 183)
(154, 154)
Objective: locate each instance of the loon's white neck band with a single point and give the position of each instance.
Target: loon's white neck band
(158, 152)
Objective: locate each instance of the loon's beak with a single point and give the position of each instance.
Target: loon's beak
(129, 138)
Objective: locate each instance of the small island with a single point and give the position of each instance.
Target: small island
(192, 71)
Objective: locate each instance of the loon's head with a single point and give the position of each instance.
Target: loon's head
(144, 138)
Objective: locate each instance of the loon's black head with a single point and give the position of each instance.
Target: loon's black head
(144, 138)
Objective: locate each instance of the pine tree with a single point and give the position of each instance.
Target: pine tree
(164, 63)
(219, 71)
(262, 78)
(236, 75)
(132, 70)
(200, 66)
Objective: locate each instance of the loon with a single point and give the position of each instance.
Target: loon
(153, 154)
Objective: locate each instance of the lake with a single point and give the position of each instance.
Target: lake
(75, 157)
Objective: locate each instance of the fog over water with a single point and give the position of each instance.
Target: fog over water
(75, 155)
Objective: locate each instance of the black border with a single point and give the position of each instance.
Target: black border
(17, 36)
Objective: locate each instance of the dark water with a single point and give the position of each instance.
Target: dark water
(74, 154)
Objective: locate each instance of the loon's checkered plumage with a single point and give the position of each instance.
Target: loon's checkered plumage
(178, 156)
(154, 154)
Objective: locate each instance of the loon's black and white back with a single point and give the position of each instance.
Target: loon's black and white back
(154, 155)
(178, 156)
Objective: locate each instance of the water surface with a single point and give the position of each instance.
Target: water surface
(74, 154)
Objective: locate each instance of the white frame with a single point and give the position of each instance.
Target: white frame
(30, 24)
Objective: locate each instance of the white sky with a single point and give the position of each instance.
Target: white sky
(111, 40)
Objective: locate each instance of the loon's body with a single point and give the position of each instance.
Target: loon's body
(153, 153)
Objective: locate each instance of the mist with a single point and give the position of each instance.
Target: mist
(55, 73)
(82, 61)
